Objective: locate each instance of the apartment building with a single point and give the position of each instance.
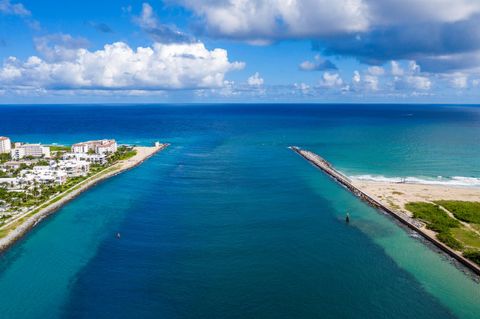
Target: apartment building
(99, 147)
(33, 150)
(5, 145)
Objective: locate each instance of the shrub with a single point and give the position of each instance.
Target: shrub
(465, 211)
(447, 239)
(473, 255)
(436, 219)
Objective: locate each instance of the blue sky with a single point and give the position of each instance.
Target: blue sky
(240, 51)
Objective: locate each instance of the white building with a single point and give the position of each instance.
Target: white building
(17, 153)
(44, 175)
(107, 148)
(33, 150)
(9, 182)
(82, 148)
(5, 145)
(99, 147)
(74, 168)
(91, 158)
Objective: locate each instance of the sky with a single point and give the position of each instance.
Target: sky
(204, 51)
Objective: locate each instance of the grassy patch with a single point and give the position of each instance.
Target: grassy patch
(436, 219)
(449, 240)
(465, 211)
(57, 148)
(468, 237)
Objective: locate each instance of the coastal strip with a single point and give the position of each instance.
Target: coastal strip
(411, 223)
(30, 219)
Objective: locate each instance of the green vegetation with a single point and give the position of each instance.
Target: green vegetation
(450, 231)
(60, 148)
(468, 237)
(42, 163)
(465, 211)
(436, 219)
(447, 239)
(473, 255)
(122, 153)
(4, 158)
(39, 196)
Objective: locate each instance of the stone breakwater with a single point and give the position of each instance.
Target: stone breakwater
(411, 223)
(143, 153)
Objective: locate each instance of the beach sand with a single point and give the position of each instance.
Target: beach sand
(396, 195)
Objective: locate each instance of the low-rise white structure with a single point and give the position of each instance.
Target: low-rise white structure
(99, 147)
(44, 175)
(33, 150)
(91, 158)
(74, 168)
(5, 145)
(9, 182)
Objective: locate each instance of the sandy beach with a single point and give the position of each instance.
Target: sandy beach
(396, 195)
(22, 225)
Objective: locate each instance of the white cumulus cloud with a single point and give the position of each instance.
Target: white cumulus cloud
(280, 19)
(258, 20)
(330, 80)
(117, 66)
(255, 80)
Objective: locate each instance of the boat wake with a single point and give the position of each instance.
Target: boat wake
(439, 180)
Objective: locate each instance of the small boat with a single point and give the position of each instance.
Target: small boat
(347, 218)
(118, 236)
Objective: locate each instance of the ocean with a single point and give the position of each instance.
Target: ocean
(229, 223)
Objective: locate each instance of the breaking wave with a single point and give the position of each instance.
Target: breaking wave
(439, 180)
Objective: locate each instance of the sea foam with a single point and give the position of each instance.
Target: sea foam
(439, 180)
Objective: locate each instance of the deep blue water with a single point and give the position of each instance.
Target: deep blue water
(228, 223)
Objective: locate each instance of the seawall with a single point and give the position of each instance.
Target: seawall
(411, 223)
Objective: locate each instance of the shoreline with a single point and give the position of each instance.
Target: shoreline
(396, 195)
(143, 153)
(379, 204)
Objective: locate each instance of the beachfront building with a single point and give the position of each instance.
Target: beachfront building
(74, 168)
(91, 158)
(5, 145)
(107, 148)
(101, 147)
(43, 175)
(30, 150)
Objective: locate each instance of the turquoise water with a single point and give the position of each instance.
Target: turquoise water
(229, 223)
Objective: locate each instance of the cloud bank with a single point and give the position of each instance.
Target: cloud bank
(120, 67)
(441, 35)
